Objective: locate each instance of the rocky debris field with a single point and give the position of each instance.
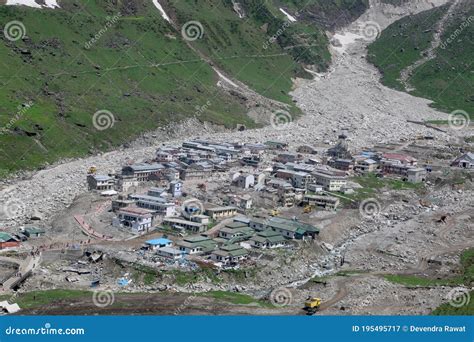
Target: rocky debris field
(401, 239)
(349, 98)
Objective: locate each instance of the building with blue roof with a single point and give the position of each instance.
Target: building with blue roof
(154, 244)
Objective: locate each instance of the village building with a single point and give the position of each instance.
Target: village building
(286, 198)
(298, 179)
(243, 180)
(244, 202)
(397, 158)
(154, 244)
(159, 205)
(170, 252)
(33, 232)
(120, 203)
(126, 182)
(315, 188)
(143, 172)
(366, 165)
(157, 192)
(466, 161)
(340, 150)
(185, 225)
(8, 241)
(221, 212)
(331, 181)
(197, 171)
(136, 219)
(197, 245)
(416, 175)
(176, 188)
(236, 231)
(229, 255)
(100, 182)
(171, 174)
(163, 156)
(300, 167)
(280, 184)
(267, 239)
(290, 229)
(203, 219)
(395, 168)
(326, 202)
(342, 164)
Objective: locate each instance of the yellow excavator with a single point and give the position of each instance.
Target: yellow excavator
(274, 212)
(307, 209)
(311, 305)
(92, 170)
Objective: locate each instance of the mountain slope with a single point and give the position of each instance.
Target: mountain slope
(127, 61)
(447, 79)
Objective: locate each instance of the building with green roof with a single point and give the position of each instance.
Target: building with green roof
(230, 255)
(197, 245)
(34, 232)
(290, 229)
(267, 239)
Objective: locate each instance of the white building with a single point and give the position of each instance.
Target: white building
(100, 182)
(137, 219)
(243, 180)
(161, 206)
(170, 252)
(330, 181)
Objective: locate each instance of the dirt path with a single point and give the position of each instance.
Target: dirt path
(429, 53)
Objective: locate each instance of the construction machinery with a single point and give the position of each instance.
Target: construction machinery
(307, 209)
(311, 305)
(274, 212)
(92, 170)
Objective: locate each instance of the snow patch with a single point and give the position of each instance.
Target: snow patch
(33, 3)
(162, 11)
(288, 15)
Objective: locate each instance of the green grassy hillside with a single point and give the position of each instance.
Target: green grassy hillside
(123, 57)
(447, 79)
(467, 262)
(401, 44)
